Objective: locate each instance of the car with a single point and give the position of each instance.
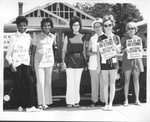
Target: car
(59, 75)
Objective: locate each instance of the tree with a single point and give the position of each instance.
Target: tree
(123, 13)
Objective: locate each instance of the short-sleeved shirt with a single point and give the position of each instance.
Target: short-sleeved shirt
(74, 57)
(44, 49)
(127, 64)
(18, 49)
(112, 63)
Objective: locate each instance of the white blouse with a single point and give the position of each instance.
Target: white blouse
(93, 58)
(44, 49)
(18, 49)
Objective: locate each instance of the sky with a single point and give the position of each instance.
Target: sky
(9, 8)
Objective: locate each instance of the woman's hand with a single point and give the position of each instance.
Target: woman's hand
(63, 67)
(98, 69)
(32, 68)
(13, 68)
(127, 50)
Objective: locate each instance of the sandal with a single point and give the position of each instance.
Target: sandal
(126, 103)
(110, 108)
(93, 104)
(138, 103)
(45, 107)
(105, 108)
(77, 105)
(70, 106)
(40, 107)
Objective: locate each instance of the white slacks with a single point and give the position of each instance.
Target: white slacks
(73, 85)
(96, 86)
(44, 89)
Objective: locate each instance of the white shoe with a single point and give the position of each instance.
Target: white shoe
(138, 103)
(32, 109)
(110, 108)
(105, 108)
(20, 109)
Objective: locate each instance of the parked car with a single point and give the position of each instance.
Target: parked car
(59, 76)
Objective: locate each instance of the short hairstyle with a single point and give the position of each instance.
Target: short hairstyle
(20, 19)
(109, 17)
(73, 20)
(48, 19)
(133, 24)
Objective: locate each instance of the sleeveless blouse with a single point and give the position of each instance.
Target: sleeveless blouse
(74, 57)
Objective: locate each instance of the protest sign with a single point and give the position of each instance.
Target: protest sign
(107, 49)
(134, 47)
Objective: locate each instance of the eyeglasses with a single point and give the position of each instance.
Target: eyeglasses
(76, 25)
(97, 26)
(131, 28)
(109, 25)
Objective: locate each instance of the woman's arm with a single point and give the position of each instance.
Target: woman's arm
(9, 55)
(118, 45)
(89, 50)
(33, 49)
(98, 60)
(64, 50)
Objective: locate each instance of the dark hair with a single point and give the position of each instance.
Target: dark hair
(109, 17)
(47, 20)
(20, 19)
(73, 20)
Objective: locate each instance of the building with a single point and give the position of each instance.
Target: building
(59, 12)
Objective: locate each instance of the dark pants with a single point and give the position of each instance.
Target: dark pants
(25, 86)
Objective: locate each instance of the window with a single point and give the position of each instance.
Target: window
(42, 13)
(35, 13)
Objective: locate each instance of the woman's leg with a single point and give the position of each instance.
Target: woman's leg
(136, 84)
(40, 75)
(18, 86)
(105, 82)
(28, 81)
(101, 90)
(112, 79)
(70, 94)
(48, 87)
(126, 84)
(94, 85)
(77, 81)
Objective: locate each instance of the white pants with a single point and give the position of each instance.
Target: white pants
(96, 86)
(73, 85)
(44, 90)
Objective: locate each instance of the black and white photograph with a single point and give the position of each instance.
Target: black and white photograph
(52, 67)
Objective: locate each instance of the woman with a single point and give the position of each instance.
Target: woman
(42, 59)
(73, 59)
(131, 66)
(19, 61)
(108, 65)
(92, 65)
